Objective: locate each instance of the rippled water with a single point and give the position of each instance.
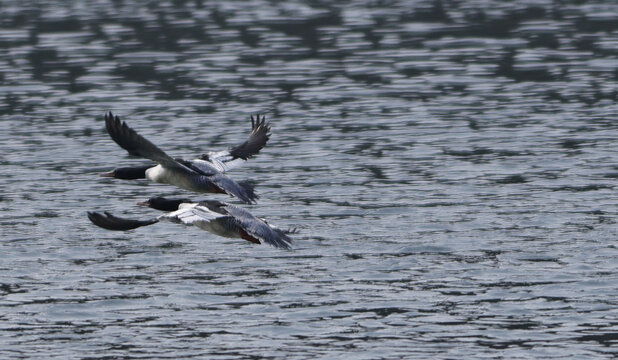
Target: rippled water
(451, 165)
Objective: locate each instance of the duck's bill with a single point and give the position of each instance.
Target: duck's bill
(108, 174)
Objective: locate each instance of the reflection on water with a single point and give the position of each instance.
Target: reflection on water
(451, 166)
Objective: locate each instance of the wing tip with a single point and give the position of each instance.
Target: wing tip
(281, 240)
(111, 119)
(92, 216)
(284, 244)
(259, 136)
(258, 123)
(251, 197)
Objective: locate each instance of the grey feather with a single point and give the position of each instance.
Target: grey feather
(258, 228)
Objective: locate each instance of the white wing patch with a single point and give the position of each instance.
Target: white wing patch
(224, 161)
(190, 214)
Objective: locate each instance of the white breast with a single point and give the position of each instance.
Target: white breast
(185, 180)
(158, 174)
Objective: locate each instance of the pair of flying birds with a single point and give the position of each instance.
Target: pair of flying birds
(205, 174)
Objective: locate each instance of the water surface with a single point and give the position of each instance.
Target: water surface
(451, 165)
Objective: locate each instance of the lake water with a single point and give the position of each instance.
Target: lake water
(452, 167)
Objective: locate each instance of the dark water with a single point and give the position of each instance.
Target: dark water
(451, 165)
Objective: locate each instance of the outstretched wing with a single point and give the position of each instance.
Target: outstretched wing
(244, 190)
(191, 214)
(111, 222)
(136, 144)
(223, 184)
(258, 228)
(210, 215)
(260, 132)
(203, 217)
(201, 166)
(228, 159)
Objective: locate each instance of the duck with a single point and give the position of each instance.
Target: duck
(214, 216)
(205, 174)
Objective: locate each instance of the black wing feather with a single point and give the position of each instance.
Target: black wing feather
(136, 144)
(111, 222)
(257, 139)
(260, 133)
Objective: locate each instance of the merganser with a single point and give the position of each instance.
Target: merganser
(213, 216)
(205, 174)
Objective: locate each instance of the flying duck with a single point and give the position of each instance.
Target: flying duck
(205, 174)
(213, 216)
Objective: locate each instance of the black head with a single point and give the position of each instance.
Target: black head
(128, 173)
(163, 204)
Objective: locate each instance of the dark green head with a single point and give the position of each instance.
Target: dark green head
(163, 204)
(128, 173)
